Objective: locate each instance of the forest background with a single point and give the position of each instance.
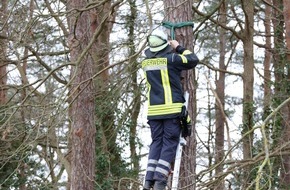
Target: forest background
(72, 94)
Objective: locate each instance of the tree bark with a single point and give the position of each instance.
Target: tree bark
(267, 62)
(220, 99)
(82, 98)
(267, 73)
(3, 50)
(136, 89)
(248, 82)
(177, 12)
(287, 27)
(285, 111)
(279, 85)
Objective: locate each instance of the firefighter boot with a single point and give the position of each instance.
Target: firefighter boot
(159, 185)
(148, 185)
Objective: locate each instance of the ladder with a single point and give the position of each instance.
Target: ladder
(176, 170)
(178, 156)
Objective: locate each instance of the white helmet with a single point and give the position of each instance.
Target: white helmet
(157, 40)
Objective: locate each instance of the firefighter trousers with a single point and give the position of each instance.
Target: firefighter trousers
(165, 135)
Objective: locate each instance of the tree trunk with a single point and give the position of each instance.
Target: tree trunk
(267, 100)
(105, 104)
(82, 98)
(248, 82)
(267, 62)
(177, 13)
(285, 111)
(3, 50)
(136, 89)
(220, 99)
(278, 58)
(287, 26)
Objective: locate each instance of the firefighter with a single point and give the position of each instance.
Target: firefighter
(165, 59)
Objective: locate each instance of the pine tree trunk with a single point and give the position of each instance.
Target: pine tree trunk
(136, 89)
(248, 82)
(3, 49)
(267, 100)
(82, 99)
(267, 62)
(278, 30)
(177, 13)
(287, 26)
(220, 100)
(285, 111)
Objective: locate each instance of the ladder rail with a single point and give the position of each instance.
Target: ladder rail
(178, 156)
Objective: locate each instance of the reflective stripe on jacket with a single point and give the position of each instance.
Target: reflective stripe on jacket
(163, 74)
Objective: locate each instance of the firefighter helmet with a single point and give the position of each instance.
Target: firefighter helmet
(157, 40)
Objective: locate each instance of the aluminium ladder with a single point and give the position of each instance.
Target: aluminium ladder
(177, 162)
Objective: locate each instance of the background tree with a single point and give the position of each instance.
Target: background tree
(6, 169)
(30, 107)
(82, 96)
(3, 50)
(136, 90)
(220, 116)
(283, 70)
(248, 85)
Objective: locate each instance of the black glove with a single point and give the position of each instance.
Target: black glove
(185, 122)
